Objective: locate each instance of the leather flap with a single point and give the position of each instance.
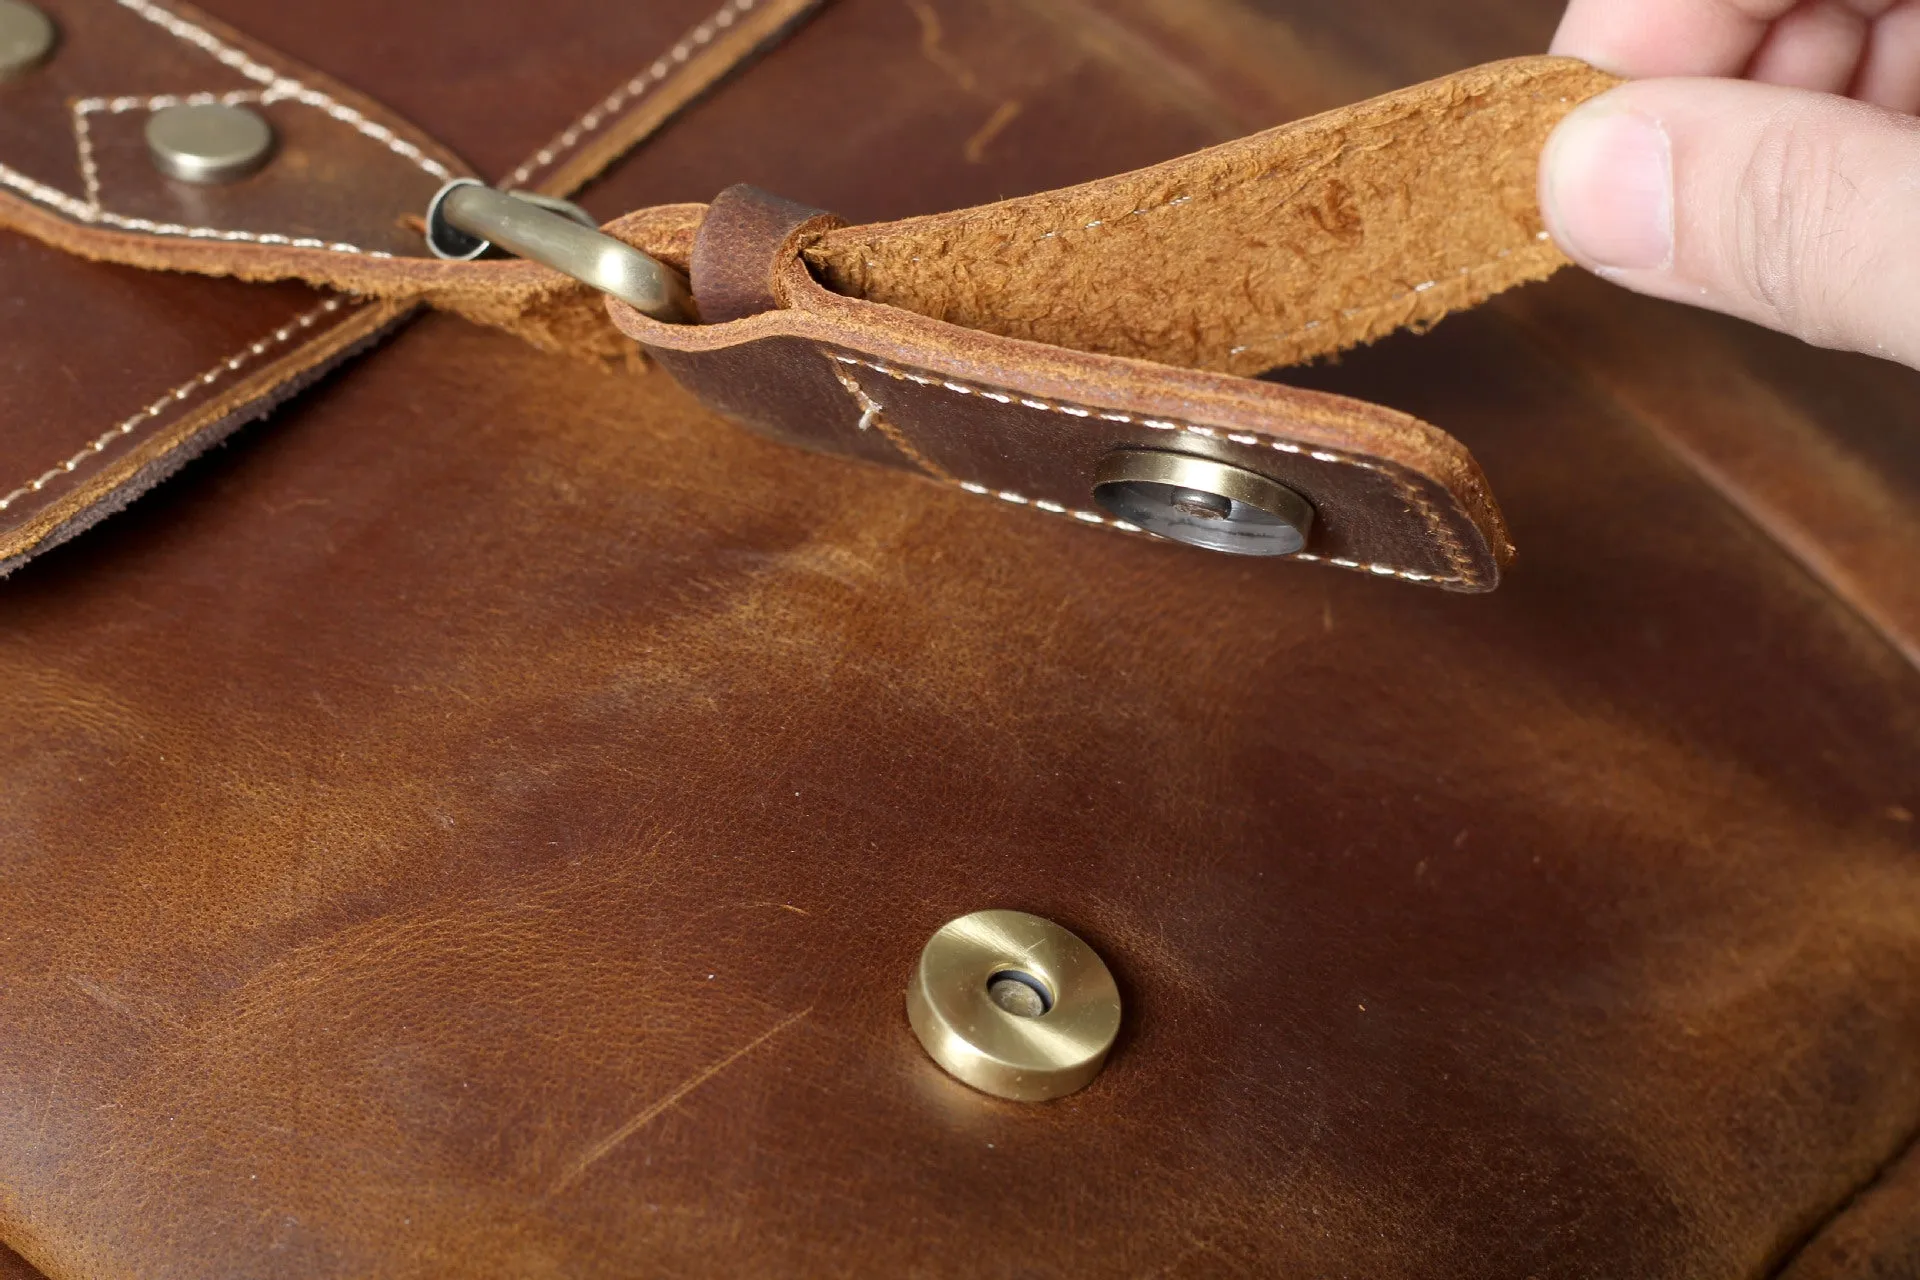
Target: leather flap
(1027, 424)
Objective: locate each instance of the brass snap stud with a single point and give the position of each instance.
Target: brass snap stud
(1202, 502)
(26, 37)
(208, 142)
(1013, 1005)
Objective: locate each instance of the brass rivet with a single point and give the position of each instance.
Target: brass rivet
(1202, 502)
(208, 142)
(1014, 1005)
(26, 37)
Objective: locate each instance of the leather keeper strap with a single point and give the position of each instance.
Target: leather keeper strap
(745, 240)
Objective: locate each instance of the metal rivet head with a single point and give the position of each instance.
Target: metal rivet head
(1014, 1005)
(208, 142)
(26, 38)
(1202, 502)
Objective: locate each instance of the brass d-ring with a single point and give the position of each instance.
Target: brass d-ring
(1014, 1005)
(466, 218)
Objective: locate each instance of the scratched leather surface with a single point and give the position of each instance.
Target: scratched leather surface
(481, 822)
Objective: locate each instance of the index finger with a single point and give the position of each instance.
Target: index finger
(1640, 38)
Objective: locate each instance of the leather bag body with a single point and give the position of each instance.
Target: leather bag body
(481, 820)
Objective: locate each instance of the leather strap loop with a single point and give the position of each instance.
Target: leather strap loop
(746, 239)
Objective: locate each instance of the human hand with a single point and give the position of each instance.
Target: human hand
(1767, 197)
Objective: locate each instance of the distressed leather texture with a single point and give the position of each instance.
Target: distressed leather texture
(351, 180)
(481, 821)
(1386, 214)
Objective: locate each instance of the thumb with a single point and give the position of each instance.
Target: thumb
(1798, 210)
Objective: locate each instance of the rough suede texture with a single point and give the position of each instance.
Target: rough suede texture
(1294, 243)
(1287, 245)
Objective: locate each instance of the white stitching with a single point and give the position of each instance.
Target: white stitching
(662, 67)
(278, 89)
(1051, 508)
(174, 397)
(92, 211)
(1174, 203)
(83, 133)
(1441, 531)
(283, 86)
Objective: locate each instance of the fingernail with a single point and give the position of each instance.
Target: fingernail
(1607, 188)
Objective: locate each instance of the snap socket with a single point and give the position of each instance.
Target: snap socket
(208, 142)
(1014, 1005)
(1202, 502)
(26, 38)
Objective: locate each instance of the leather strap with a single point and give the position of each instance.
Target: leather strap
(1027, 424)
(332, 209)
(1007, 349)
(343, 216)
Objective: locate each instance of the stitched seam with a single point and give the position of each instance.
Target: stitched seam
(284, 86)
(640, 85)
(874, 417)
(278, 89)
(90, 174)
(231, 364)
(871, 415)
(1437, 528)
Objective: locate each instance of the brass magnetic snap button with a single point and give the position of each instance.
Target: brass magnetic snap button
(26, 37)
(1014, 1005)
(1202, 502)
(208, 142)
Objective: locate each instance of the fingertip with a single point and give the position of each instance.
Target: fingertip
(1606, 187)
(1644, 38)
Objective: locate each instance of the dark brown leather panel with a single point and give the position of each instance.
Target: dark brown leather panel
(74, 166)
(110, 387)
(1876, 1236)
(499, 83)
(919, 106)
(111, 377)
(1508, 935)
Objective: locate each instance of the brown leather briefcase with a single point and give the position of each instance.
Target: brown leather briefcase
(1046, 718)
